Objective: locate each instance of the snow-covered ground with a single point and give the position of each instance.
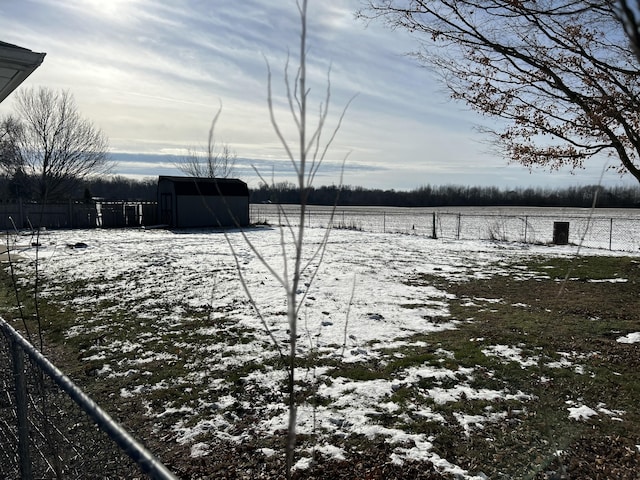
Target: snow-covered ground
(607, 228)
(366, 298)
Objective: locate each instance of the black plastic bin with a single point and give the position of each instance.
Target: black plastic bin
(560, 233)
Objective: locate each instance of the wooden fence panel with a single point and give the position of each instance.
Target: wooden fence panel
(23, 215)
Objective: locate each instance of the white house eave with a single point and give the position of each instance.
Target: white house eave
(16, 64)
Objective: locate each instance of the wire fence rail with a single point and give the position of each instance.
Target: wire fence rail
(616, 230)
(50, 429)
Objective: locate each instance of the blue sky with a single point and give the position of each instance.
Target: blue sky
(152, 74)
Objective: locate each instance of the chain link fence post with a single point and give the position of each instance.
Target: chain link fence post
(47, 435)
(24, 458)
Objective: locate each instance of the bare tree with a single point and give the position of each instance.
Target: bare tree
(10, 131)
(559, 74)
(52, 144)
(300, 261)
(17, 184)
(210, 162)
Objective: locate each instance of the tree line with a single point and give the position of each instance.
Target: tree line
(120, 188)
(452, 195)
(107, 188)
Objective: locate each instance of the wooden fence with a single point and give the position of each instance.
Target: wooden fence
(21, 215)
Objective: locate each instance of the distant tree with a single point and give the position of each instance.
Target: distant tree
(9, 151)
(15, 180)
(452, 195)
(120, 188)
(210, 162)
(560, 74)
(50, 145)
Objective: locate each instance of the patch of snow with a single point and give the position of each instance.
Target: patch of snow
(612, 413)
(267, 452)
(629, 338)
(607, 280)
(468, 421)
(562, 363)
(488, 300)
(345, 392)
(512, 354)
(303, 464)
(217, 427)
(106, 368)
(581, 413)
(124, 346)
(200, 449)
(129, 393)
(149, 357)
(332, 451)
(93, 358)
(225, 402)
(126, 373)
(172, 411)
(427, 413)
(445, 353)
(444, 395)
(414, 375)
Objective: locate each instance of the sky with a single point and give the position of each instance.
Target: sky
(153, 73)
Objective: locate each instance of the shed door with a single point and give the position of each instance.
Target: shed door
(166, 210)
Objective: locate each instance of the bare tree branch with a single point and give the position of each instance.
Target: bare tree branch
(297, 260)
(51, 143)
(560, 76)
(210, 161)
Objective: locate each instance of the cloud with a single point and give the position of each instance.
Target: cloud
(152, 73)
(252, 170)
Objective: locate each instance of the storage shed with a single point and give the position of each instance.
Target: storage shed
(192, 202)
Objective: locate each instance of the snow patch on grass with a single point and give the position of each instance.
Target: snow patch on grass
(163, 298)
(629, 338)
(511, 354)
(581, 413)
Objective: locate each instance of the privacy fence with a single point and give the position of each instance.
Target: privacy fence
(610, 229)
(49, 429)
(27, 215)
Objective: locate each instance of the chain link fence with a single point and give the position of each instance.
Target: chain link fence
(50, 430)
(606, 229)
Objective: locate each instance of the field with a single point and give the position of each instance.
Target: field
(418, 358)
(605, 228)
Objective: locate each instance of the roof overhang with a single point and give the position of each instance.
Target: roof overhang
(16, 64)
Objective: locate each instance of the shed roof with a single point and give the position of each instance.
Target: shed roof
(16, 64)
(207, 186)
